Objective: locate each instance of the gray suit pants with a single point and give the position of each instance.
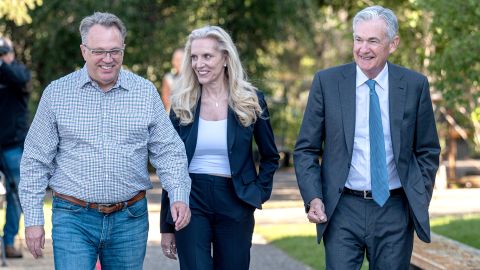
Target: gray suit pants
(358, 225)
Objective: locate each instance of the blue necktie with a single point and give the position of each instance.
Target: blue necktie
(378, 162)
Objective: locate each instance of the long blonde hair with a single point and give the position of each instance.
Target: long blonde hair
(242, 98)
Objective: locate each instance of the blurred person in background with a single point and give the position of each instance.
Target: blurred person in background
(14, 118)
(171, 78)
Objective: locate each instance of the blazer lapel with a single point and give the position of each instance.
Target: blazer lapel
(231, 126)
(346, 88)
(191, 142)
(397, 89)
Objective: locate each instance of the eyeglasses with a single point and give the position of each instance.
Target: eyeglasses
(114, 53)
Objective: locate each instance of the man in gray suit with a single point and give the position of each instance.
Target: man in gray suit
(371, 124)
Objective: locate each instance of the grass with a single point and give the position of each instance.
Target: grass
(299, 241)
(464, 229)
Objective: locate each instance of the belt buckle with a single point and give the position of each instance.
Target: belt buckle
(102, 206)
(366, 196)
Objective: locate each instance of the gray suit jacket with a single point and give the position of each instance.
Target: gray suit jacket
(323, 152)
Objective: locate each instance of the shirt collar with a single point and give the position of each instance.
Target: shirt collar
(83, 77)
(122, 82)
(381, 79)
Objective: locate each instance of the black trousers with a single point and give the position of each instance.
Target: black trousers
(359, 225)
(219, 235)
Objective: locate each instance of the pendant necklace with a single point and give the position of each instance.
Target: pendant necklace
(216, 100)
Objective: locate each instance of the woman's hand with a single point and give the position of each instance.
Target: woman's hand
(169, 247)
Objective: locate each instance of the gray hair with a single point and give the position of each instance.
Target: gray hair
(378, 12)
(104, 19)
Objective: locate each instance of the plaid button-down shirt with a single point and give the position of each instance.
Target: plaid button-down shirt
(95, 145)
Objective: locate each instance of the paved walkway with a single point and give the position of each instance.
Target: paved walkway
(264, 256)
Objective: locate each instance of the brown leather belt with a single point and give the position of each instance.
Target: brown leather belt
(106, 208)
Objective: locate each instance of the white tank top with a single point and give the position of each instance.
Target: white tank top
(211, 152)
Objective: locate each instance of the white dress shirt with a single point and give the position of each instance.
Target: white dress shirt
(359, 175)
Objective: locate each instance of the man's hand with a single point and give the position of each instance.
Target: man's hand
(180, 214)
(35, 238)
(169, 248)
(316, 214)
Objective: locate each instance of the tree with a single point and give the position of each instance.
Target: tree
(17, 10)
(324, 39)
(455, 60)
(155, 29)
(50, 45)
(281, 43)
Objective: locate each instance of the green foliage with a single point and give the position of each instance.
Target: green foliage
(17, 10)
(299, 241)
(281, 44)
(260, 29)
(463, 229)
(50, 45)
(324, 42)
(155, 29)
(304, 249)
(455, 61)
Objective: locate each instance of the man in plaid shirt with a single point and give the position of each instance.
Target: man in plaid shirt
(90, 142)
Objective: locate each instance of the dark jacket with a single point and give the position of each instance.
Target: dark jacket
(251, 187)
(14, 115)
(328, 130)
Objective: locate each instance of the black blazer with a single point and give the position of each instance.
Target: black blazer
(328, 130)
(251, 187)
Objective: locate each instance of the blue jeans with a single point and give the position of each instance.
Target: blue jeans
(11, 168)
(81, 235)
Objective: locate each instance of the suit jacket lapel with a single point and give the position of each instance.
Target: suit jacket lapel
(346, 88)
(231, 126)
(397, 89)
(191, 142)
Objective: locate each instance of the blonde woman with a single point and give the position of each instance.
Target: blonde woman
(218, 113)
